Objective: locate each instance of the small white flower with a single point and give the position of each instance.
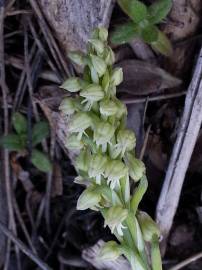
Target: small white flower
(97, 167)
(115, 170)
(115, 217)
(103, 133)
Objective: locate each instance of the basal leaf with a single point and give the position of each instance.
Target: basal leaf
(19, 122)
(41, 161)
(12, 142)
(124, 33)
(40, 132)
(159, 10)
(136, 10)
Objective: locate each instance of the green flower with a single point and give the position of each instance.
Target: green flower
(114, 171)
(92, 94)
(109, 56)
(103, 33)
(74, 143)
(148, 227)
(82, 161)
(72, 84)
(125, 141)
(122, 110)
(117, 76)
(77, 58)
(98, 45)
(103, 133)
(110, 251)
(67, 106)
(108, 107)
(115, 217)
(99, 65)
(100, 33)
(97, 167)
(88, 199)
(136, 167)
(79, 123)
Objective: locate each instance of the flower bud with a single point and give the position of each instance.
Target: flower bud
(103, 33)
(136, 167)
(82, 161)
(98, 64)
(114, 218)
(79, 122)
(72, 84)
(103, 133)
(114, 171)
(122, 110)
(117, 76)
(98, 45)
(126, 140)
(67, 106)
(110, 251)
(97, 166)
(92, 93)
(88, 199)
(73, 143)
(106, 81)
(77, 58)
(148, 227)
(109, 56)
(94, 75)
(108, 107)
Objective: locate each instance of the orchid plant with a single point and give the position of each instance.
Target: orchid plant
(106, 163)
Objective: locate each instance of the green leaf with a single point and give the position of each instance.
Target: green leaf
(40, 132)
(138, 194)
(163, 44)
(124, 33)
(149, 33)
(159, 10)
(19, 122)
(12, 142)
(136, 10)
(41, 161)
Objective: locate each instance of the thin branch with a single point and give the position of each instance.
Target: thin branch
(24, 248)
(159, 97)
(187, 261)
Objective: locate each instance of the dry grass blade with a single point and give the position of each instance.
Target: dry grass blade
(23, 248)
(8, 188)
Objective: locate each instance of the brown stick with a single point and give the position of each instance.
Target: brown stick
(182, 151)
(187, 261)
(24, 248)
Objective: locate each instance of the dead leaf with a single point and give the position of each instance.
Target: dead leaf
(142, 78)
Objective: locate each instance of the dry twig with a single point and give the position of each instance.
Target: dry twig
(187, 261)
(23, 248)
(182, 151)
